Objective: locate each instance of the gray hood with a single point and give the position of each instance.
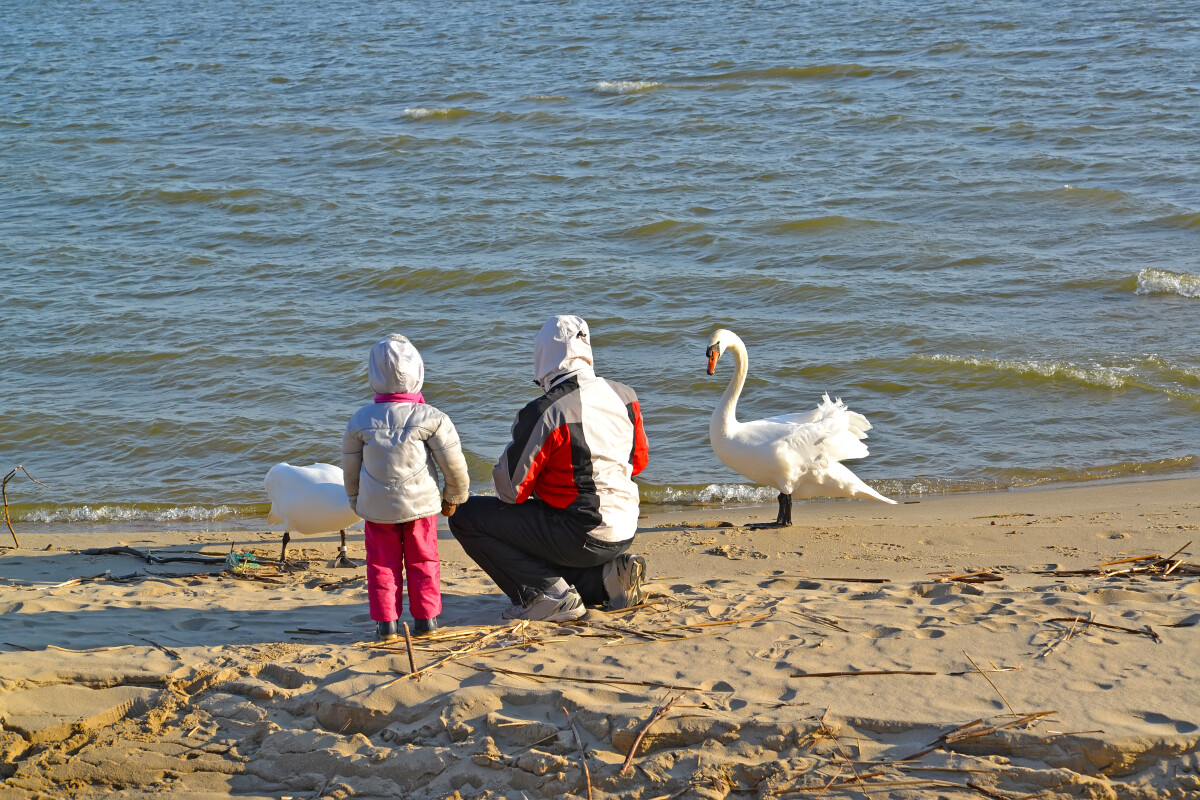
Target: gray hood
(395, 366)
(561, 348)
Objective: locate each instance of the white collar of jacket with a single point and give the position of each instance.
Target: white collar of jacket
(562, 348)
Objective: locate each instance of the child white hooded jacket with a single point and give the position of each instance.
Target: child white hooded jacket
(392, 451)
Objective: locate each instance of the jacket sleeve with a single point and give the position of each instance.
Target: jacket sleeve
(534, 440)
(639, 457)
(447, 452)
(352, 458)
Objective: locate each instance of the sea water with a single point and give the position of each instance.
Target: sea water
(977, 223)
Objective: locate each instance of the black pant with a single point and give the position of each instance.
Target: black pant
(526, 548)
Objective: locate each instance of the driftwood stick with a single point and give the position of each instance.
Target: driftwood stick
(4, 493)
(412, 665)
(587, 774)
(658, 714)
(1177, 552)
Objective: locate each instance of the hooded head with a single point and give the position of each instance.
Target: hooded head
(562, 347)
(395, 366)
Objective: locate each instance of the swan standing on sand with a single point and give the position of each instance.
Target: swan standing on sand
(309, 500)
(798, 454)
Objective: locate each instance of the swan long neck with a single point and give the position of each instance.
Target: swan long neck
(724, 419)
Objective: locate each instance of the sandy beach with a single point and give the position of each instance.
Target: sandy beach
(1012, 644)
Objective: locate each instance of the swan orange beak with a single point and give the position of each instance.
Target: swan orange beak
(713, 355)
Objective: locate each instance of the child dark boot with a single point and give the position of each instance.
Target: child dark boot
(424, 627)
(386, 631)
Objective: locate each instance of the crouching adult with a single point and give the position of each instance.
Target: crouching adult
(555, 536)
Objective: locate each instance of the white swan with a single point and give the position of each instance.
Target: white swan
(798, 454)
(309, 500)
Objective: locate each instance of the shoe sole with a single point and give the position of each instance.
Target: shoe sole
(633, 595)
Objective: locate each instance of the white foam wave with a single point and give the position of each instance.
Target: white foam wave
(424, 113)
(1161, 281)
(1110, 377)
(625, 87)
(717, 493)
(117, 513)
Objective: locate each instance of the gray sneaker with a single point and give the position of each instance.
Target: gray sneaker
(550, 609)
(623, 578)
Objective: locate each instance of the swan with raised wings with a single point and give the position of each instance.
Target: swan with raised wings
(798, 454)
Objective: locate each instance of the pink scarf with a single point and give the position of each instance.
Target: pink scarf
(403, 397)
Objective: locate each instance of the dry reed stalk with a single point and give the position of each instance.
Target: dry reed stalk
(618, 681)
(863, 672)
(820, 620)
(166, 650)
(1154, 557)
(672, 639)
(855, 580)
(4, 493)
(994, 668)
(462, 651)
(982, 576)
(974, 729)
(989, 680)
(1147, 631)
(587, 773)
(658, 714)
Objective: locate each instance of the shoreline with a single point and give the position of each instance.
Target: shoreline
(806, 657)
(737, 508)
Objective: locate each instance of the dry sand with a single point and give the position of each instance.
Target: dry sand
(174, 678)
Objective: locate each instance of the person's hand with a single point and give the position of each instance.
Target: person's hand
(448, 509)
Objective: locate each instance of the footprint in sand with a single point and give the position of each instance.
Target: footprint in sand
(1179, 725)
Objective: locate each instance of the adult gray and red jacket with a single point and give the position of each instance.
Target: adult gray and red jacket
(578, 446)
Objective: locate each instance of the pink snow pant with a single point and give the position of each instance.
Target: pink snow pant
(393, 549)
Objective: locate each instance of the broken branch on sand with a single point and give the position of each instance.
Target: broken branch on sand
(151, 558)
(4, 492)
(658, 714)
(587, 774)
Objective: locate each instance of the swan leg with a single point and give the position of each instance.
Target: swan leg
(783, 519)
(342, 559)
(284, 564)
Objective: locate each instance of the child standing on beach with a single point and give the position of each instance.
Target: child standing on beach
(391, 453)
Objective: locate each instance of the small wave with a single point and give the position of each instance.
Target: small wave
(819, 225)
(1107, 377)
(1184, 221)
(626, 87)
(1111, 199)
(435, 113)
(814, 71)
(1161, 281)
(664, 229)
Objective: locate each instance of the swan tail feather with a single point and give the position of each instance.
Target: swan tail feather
(835, 480)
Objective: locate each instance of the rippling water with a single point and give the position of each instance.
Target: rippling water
(976, 223)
